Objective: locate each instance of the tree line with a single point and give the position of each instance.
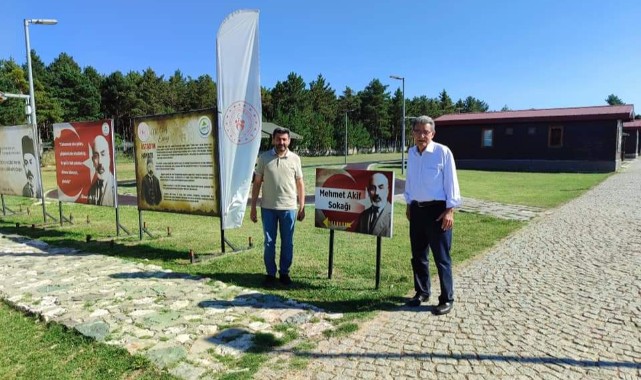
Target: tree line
(65, 91)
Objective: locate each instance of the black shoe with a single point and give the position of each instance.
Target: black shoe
(269, 281)
(444, 308)
(285, 280)
(418, 299)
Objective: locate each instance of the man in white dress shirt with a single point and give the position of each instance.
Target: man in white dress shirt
(431, 193)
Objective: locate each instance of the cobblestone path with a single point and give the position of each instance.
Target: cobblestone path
(559, 299)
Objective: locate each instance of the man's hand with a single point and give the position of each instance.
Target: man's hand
(447, 219)
(252, 215)
(407, 212)
(301, 215)
(257, 181)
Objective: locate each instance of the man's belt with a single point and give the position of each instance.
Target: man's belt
(427, 203)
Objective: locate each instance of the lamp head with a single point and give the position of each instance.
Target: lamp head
(42, 21)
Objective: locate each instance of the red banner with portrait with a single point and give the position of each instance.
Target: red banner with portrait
(85, 165)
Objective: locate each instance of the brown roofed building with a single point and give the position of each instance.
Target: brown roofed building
(632, 138)
(577, 139)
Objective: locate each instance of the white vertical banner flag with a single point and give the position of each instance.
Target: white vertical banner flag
(239, 111)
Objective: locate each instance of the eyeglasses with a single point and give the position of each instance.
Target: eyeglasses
(426, 133)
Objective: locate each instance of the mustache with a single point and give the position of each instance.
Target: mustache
(376, 198)
(29, 175)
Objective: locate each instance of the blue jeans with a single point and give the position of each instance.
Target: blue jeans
(284, 220)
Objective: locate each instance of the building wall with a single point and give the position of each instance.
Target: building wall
(552, 166)
(632, 148)
(594, 142)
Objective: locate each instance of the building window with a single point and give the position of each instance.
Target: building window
(531, 131)
(487, 138)
(555, 137)
(509, 131)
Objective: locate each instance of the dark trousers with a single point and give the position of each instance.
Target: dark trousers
(426, 234)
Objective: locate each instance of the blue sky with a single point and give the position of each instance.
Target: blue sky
(523, 54)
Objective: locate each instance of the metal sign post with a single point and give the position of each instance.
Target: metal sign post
(378, 261)
(330, 266)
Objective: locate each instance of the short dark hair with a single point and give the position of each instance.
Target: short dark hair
(280, 131)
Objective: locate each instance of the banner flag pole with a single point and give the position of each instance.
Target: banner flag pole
(239, 111)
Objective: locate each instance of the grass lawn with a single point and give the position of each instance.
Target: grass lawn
(30, 349)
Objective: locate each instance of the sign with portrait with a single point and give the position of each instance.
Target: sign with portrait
(19, 171)
(85, 165)
(176, 163)
(355, 201)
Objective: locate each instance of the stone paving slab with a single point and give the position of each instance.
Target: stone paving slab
(559, 299)
(180, 322)
(501, 210)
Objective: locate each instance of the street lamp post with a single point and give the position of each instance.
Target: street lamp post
(402, 124)
(31, 92)
(346, 112)
(5, 95)
(32, 99)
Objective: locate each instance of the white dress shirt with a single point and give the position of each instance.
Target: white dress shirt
(431, 176)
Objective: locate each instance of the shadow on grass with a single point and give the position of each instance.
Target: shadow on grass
(110, 246)
(319, 292)
(257, 301)
(26, 235)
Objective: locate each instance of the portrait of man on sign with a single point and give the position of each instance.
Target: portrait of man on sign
(151, 184)
(102, 188)
(32, 188)
(376, 219)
